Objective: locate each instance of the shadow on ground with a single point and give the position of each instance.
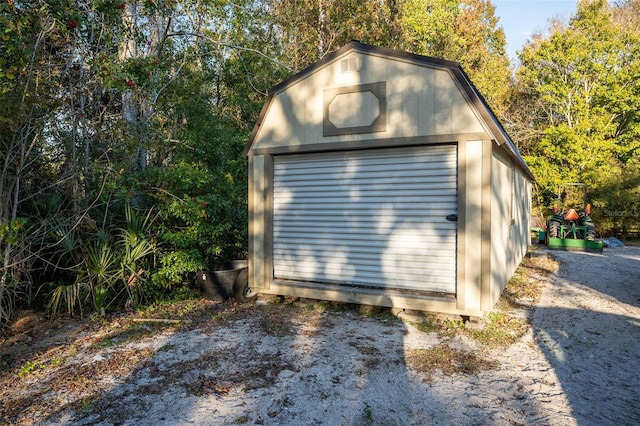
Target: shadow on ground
(588, 326)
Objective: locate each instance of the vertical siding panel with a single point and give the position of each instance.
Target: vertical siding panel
(310, 108)
(408, 86)
(486, 231)
(427, 105)
(442, 101)
(398, 123)
(473, 226)
(510, 235)
(267, 200)
(461, 120)
(257, 222)
(501, 185)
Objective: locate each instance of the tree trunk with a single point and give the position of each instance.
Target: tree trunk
(322, 28)
(139, 111)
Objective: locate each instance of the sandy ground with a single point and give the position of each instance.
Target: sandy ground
(298, 364)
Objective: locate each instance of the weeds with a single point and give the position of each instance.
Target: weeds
(172, 309)
(88, 404)
(166, 348)
(365, 349)
(525, 287)
(500, 330)
(28, 368)
(447, 360)
(506, 325)
(104, 343)
(34, 367)
(276, 323)
(368, 412)
(444, 325)
(509, 320)
(57, 361)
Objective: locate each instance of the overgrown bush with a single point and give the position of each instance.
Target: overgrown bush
(202, 219)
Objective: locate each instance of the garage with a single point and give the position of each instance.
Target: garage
(381, 177)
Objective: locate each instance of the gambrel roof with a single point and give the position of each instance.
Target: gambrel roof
(474, 99)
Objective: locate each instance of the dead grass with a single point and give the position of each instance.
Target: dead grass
(448, 360)
(525, 287)
(40, 358)
(444, 325)
(500, 330)
(512, 314)
(275, 321)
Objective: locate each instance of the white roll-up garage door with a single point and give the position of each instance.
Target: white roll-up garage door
(375, 218)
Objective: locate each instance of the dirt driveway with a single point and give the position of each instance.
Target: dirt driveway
(572, 360)
(588, 326)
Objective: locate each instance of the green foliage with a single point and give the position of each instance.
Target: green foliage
(368, 412)
(581, 88)
(444, 325)
(464, 31)
(89, 94)
(429, 26)
(67, 296)
(311, 29)
(13, 291)
(10, 233)
(109, 267)
(109, 103)
(617, 201)
(203, 219)
(28, 368)
(176, 266)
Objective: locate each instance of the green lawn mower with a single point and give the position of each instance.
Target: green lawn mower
(570, 227)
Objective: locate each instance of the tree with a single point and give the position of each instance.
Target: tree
(464, 31)
(308, 30)
(34, 34)
(97, 100)
(581, 88)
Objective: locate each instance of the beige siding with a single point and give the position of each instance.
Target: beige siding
(421, 101)
(523, 215)
(510, 207)
(472, 256)
(258, 235)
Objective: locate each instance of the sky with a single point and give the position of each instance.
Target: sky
(520, 18)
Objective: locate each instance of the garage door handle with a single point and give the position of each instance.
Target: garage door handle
(452, 217)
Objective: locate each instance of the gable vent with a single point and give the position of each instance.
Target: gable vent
(350, 65)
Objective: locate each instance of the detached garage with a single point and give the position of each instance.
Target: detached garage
(382, 177)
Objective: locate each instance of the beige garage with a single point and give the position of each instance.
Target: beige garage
(382, 177)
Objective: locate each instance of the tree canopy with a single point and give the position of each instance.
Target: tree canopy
(576, 103)
(464, 31)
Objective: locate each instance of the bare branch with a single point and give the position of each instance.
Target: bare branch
(231, 46)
